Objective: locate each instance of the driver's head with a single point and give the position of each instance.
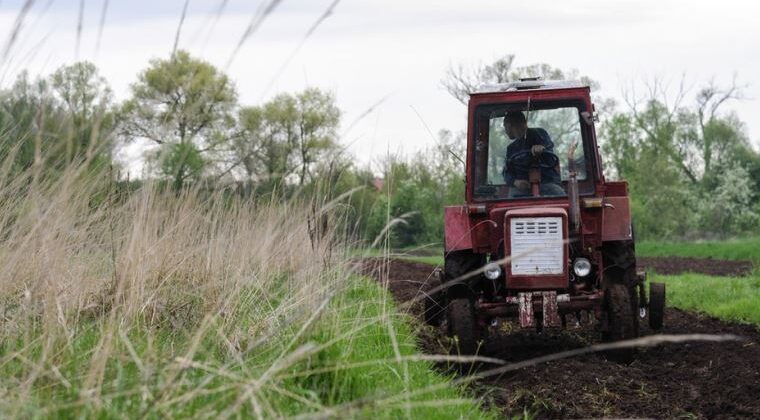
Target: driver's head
(515, 124)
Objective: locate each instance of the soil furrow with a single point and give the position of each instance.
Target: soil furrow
(703, 380)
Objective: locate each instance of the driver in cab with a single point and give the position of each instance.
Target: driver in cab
(528, 145)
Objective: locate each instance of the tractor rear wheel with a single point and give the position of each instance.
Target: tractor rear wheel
(622, 319)
(463, 325)
(656, 305)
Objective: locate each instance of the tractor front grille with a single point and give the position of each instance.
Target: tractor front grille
(537, 246)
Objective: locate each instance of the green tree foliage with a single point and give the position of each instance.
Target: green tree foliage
(53, 122)
(183, 160)
(286, 137)
(415, 192)
(28, 123)
(88, 102)
(689, 166)
(185, 106)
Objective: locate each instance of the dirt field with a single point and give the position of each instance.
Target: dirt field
(679, 265)
(720, 380)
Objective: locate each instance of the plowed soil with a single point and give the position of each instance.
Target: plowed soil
(694, 380)
(679, 265)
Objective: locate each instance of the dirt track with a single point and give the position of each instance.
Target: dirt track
(720, 380)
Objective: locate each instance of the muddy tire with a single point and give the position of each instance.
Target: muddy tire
(463, 325)
(434, 310)
(656, 305)
(620, 297)
(458, 263)
(621, 305)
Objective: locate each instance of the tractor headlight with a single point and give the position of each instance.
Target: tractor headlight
(582, 267)
(492, 271)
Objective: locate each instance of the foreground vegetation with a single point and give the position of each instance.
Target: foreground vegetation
(152, 303)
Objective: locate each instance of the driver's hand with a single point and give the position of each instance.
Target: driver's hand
(522, 184)
(537, 149)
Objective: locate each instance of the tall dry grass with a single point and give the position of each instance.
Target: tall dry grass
(77, 253)
(149, 302)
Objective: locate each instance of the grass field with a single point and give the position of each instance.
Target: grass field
(737, 249)
(729, 298)
(358, 359)
(155, 304)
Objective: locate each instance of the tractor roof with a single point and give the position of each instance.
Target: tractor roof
(529, 84)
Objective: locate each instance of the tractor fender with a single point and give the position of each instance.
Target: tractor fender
(457, 229)
(616, 219)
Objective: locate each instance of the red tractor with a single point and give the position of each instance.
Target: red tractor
(543, 237)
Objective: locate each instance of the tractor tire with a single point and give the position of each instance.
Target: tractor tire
(463, 325)
(656, 305)
(434, 309)
(459, 263)
(621, 303)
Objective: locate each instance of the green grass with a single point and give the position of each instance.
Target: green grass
(729, 298)
(406, 254)
(737, 249)
(359, 346)
(436, 260)
(374, 342)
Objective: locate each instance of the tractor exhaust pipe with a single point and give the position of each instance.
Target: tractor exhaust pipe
(572, 192)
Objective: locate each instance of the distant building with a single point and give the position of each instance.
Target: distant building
(378, 183)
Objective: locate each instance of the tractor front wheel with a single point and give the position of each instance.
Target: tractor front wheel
(463, 325)
(622, 319)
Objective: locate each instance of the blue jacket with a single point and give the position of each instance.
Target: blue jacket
(532, 137)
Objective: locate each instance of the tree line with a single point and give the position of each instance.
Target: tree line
(201, 136)
(691, 167)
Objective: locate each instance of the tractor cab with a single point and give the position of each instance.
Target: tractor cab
(556, 122)
(541, 236)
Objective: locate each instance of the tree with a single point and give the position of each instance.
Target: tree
(695, 138)
(286, 137)
(87, 100)
(679, 157)
(416, 191)
(185, 106)
(25, 109)
(461, 80)
(318, 119)
(53, 122)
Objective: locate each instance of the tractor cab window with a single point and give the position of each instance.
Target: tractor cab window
(523, 152)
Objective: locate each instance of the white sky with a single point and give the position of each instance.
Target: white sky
(372, 49)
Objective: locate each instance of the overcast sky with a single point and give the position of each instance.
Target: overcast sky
(368, 50)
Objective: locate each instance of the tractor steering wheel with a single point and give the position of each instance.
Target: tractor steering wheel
(524, 160)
